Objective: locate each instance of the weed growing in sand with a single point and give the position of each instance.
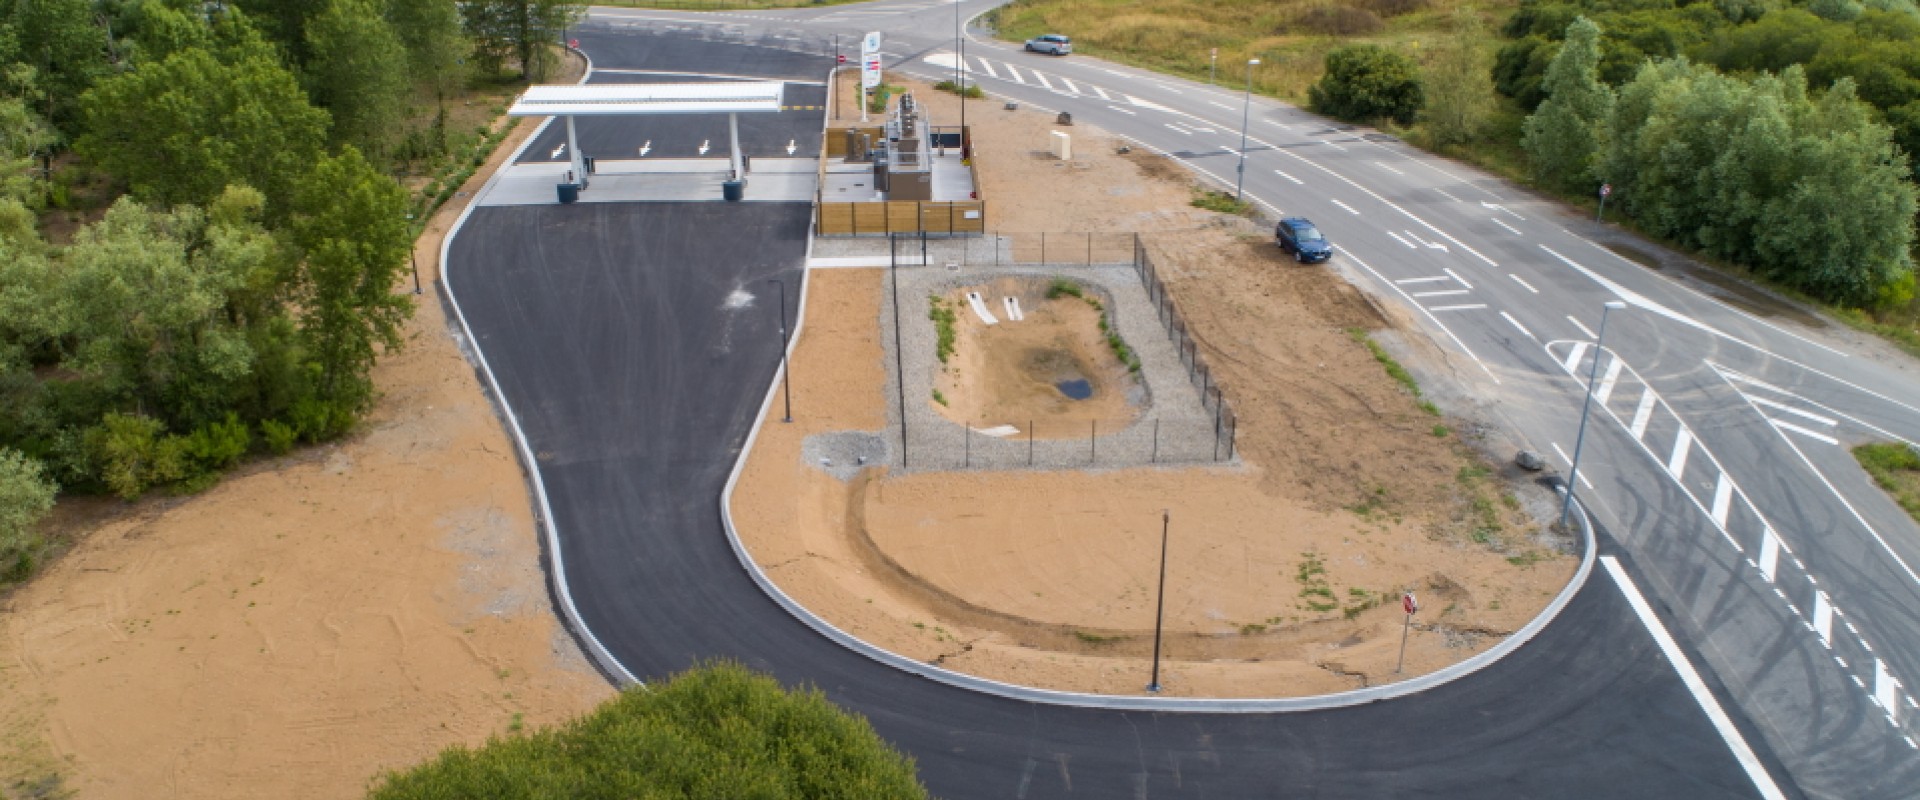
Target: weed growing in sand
(1062, 287)
(1441, 431)
(1360, 601)
(1393, 368)
(518, 723)
(1219, 201)
(939, 398)
(1094, 638)
(1314, 589)
(944, 319)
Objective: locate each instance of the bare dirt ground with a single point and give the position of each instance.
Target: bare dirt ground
(1283, 576)
(308, 622)
(1012, 374)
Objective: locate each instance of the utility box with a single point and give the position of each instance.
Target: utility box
(568, 192)
(1062, 146)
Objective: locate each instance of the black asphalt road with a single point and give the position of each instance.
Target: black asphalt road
(635, 342)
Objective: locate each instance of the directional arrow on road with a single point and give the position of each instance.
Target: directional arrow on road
(791, 147)
(703, 146)
(558, 150)
(1503, 209)
(646, 147)
(1416, 237)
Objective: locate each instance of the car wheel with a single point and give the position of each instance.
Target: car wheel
(1300, 256)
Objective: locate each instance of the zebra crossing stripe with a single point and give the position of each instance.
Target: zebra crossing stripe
(1677, 462)
(1606, 383)
(1642, 414)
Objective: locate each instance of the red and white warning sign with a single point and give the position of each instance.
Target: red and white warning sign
(1408, 603)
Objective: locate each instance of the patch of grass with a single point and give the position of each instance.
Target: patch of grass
(1441, 431)
(1393, 368)
(1527, 559)
(1252, 628)
(1094, 638)
(518, 723)
(1360, 601)
(1315, 592)
(1061, 287)
(944, 319)
(939, 398)
(722, 5)
(972, 90)
(1222, 202)
(1896, 467)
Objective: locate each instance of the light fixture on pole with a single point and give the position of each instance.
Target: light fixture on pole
(1246, 111)
(1599, 349)
(786, 385)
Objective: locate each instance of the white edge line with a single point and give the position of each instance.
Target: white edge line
(1516, 323)
(1742, 752)
(1429, 314)
(1815, 435)
(557, 572)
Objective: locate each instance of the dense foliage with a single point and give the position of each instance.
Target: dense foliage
(230, 277)
(1366, 83)
(718, 732)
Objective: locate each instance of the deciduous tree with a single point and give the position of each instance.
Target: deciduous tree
(1368, 82)
(357, 70)
(1563, 137)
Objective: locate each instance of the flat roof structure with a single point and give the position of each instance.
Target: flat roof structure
(609, 99)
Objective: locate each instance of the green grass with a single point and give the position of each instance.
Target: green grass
(973, 90)
(1061, 287)
(939, 398)
(1219, 201)
(1441, 431)
(944, 319)
(1394, 369)
(1896, 467)
(1094, 638)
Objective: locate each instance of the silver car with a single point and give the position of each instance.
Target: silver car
(1051, 44)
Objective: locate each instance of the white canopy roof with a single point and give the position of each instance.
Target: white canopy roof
(607, 99)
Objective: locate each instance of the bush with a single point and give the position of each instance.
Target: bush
(1366, 82)
(718, 731)
(219, 445)
(25, 497)
(973, 89)
(1219, 201)
(132, 454)
(280, 437)
(1394, 8)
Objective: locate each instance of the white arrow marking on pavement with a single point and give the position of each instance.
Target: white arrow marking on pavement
(646, 147)
(1501, 208)
(791, 147)
(703, 146)
(558, 150)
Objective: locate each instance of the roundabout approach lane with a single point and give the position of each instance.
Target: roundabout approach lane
(620, 336)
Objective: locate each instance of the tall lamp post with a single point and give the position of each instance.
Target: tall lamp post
(1599, 349)
(786, 371)
(1246, 112)
(413, 253)
(959, 77)
(1160, 605)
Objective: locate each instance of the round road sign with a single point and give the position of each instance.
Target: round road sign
(1407, 602)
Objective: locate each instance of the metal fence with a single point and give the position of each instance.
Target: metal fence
(1184, 343)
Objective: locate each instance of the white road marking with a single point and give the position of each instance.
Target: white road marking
(1510, 228)
(1178, 128)
(1814, 435)
(1099, 91)
(1827, 421)
(1470, 307)
(988, 66)
(558, 150)
(1682, 444)
(1443, 193)
(1383, 165)
(1389, 204)
(1349, 208)
(1123, 111)
(1042, 79)
(1642, 414)
(1288, 177)
(1605, 391)
(1563, 457)
(1823, 618)
(1770, 556)
(1583, 329)
(1516, 323)
(1718, 716)
(1503, 209)
(1352, 259)
(1578, 352)
(644, 148)
(1015, 74)
(1524, 284)
(1396, 237)
(1456, 276)
(1429, 279)
(1220, 104)
(705, 145)
(1280, 125)
(1722, 498)
(1443, 293)
(1070, 86)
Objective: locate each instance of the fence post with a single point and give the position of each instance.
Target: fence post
(1093, 441)
(1218, 407)
(1233, 427)
(1029, 443)
(1155, 458)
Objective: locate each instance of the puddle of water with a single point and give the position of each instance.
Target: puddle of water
(1078, 390)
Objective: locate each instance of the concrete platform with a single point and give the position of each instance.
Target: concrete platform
(661, 181)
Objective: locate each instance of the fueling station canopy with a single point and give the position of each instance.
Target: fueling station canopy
(614, 99)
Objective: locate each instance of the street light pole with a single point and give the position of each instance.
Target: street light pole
(1599, 349)
(413, 253)
(1160, 605)
(1246, 112)
(786, 370)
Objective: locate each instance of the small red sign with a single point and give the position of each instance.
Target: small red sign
(1407, 602)
(843, 59)
(573, 43)
(1606, 189)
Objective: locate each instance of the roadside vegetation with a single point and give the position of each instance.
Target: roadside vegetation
(718, 731)
(1896, 467)
(1772, 140)
(722, 5)
(206, 211)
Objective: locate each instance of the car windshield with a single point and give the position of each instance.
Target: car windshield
(1307, 233)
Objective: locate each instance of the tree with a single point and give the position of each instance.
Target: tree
(350, 231)
(436, 47)
(716, 732)
(67, 49)
(1563, 138)
(182, 130)
(357, 70)
(518, 29)
(1368, 82)
(1459, 88)
(25, 497)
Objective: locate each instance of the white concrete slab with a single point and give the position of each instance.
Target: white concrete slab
(534, 185)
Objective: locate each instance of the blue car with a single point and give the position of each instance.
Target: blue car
(1297, 235)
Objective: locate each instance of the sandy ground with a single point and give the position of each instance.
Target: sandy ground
(306, 623)
(1010, 374)
(1283, 576)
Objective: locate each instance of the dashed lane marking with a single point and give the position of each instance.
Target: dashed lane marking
(1349, 208)
(1523, 284)
(1510, 228)
(1295, 180)
(1516, 323)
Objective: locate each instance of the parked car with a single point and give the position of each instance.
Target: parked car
(1051, 43)
(1298, 236)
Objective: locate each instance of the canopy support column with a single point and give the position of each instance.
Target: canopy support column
(574, 159)
(733, 146)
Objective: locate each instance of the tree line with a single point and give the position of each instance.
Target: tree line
(1779, 137)
(233, 277)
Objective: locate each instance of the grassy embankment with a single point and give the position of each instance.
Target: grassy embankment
(1896, 467)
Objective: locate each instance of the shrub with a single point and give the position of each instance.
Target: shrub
(280, 437)
(1367, 82)
(132, 454)
(219, 445)
(1338, 21)
(718, 731)
(1219, 201)
(25, 497)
